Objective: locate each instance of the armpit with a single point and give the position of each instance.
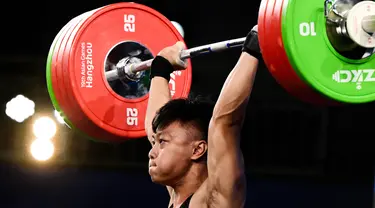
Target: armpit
(233, 197)
(213, 198)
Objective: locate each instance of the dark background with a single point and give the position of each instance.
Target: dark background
(296, 154)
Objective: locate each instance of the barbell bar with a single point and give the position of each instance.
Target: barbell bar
(131, 69)
(368, 25)
(89, 61)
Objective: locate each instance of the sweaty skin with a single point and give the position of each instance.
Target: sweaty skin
(222, 183)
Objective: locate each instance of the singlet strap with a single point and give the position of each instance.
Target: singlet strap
(185, 204)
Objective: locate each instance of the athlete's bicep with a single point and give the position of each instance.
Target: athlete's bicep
(226, 177)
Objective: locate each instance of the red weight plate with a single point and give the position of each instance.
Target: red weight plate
(94, 41)
(65, 95)
(55, 79)
(75, 114)
(275, 57)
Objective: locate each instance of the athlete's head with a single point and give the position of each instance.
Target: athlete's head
(180, 139)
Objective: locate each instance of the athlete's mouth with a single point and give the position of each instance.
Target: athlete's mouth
(151, 164)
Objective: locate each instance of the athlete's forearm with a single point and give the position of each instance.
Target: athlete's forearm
(159, 94)
(230, 108)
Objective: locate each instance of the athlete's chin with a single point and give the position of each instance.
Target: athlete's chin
(155, 178)
(153, 174)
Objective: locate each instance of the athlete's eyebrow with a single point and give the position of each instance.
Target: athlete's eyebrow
(157, 135)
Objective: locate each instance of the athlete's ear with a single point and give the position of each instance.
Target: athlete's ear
(200, 149)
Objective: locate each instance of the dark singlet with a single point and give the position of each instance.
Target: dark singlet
(185, 204)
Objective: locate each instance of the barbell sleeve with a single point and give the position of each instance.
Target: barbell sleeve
(368, 24)
(185, 54)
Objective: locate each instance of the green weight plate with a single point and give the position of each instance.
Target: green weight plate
(315, 60)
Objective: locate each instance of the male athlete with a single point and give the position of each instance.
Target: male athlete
(195, 146)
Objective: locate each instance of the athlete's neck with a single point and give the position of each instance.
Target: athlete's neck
(189, 184)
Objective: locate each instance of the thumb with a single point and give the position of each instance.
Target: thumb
(180, 45)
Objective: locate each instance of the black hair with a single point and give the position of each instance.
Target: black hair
(192, 111)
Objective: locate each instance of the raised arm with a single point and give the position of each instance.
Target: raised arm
(226, 177)
(159, 94)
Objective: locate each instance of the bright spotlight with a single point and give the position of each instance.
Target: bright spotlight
(42, 149)
(44, 128)
(179, 28)
(58, 117)
(20, 108)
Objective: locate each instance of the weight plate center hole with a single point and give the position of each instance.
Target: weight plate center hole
(338, 34)
(126, 53)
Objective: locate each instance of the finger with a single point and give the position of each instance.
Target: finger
(181, 63)
(185, 64)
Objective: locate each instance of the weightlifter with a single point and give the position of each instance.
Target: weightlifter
(196, 146)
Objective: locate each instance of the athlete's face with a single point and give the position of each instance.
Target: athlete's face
(173, 150)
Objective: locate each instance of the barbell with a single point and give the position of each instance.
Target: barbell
(97, 67)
